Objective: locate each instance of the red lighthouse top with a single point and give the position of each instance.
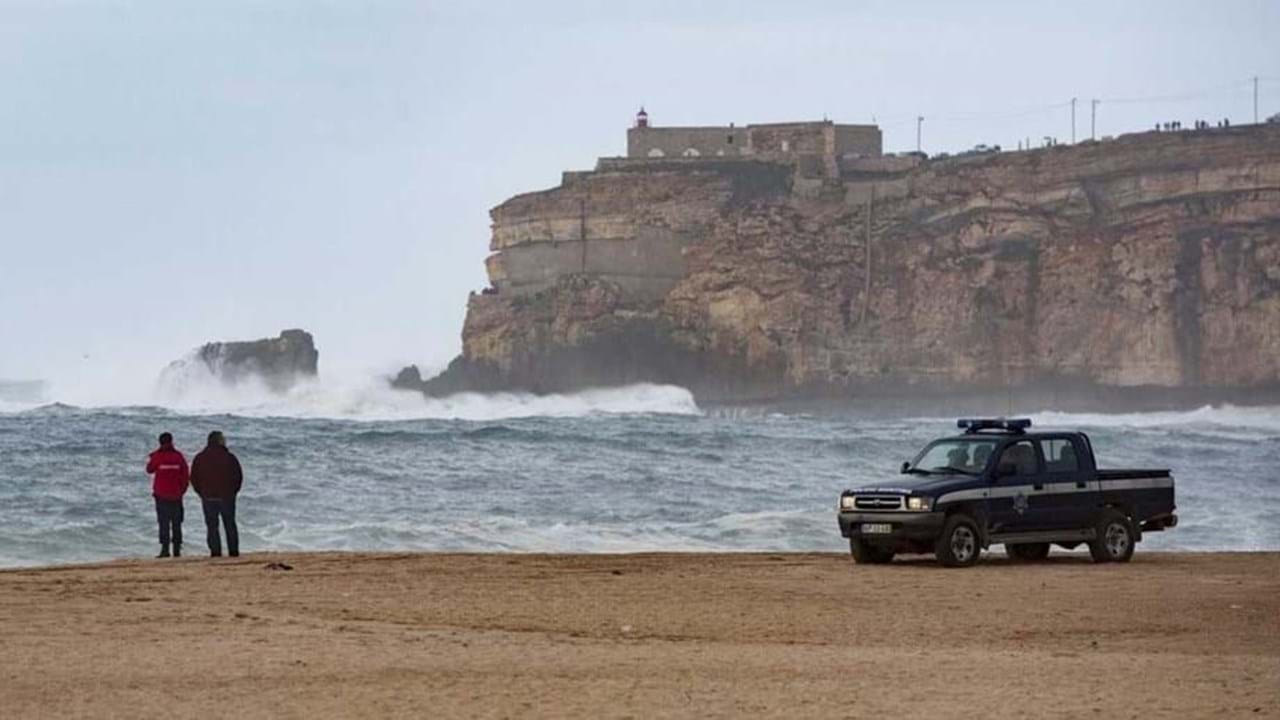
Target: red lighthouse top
(642, 118)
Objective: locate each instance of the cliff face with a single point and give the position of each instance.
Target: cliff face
(1148, 264)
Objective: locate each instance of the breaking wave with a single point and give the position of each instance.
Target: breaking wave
(1263, 418)
(370, 398)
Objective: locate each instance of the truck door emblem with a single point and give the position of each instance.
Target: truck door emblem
(1020, 503)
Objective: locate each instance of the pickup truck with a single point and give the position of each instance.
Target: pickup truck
(999, 484)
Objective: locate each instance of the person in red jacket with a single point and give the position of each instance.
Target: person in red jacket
(170, 484)
(216, 476)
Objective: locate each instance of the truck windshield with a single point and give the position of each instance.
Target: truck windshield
(964, 456)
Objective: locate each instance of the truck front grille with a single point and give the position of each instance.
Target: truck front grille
(877, 502)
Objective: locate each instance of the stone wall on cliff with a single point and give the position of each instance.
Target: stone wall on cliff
(1151, 261)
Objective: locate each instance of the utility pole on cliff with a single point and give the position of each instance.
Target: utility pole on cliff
(1073, 121)
(1093, 119)
(1255, 99)
(920, 122)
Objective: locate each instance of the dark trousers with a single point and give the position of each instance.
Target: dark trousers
(169, 515)
(226, 510)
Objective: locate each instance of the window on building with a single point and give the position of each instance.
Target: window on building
(691, 152)
(656, 152)
(729, 139)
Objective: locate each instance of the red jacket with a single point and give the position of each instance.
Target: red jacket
(170, 469)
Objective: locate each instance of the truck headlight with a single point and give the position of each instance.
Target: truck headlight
(918, 503)
(846, 502)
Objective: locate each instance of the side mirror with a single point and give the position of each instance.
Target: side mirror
(905, 467)
(1006, 470)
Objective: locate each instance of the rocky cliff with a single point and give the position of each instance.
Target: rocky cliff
(278, 362)
(1144, 269)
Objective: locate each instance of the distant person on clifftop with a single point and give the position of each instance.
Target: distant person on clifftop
(216, 476)
(171, 478)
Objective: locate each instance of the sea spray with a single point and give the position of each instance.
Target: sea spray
(191, 388)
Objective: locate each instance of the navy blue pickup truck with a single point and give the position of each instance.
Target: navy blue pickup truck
(1000, 484)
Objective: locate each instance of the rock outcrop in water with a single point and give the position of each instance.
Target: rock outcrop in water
(1142, 270)
(278, 362)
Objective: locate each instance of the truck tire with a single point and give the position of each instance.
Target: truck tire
(1027, 552)
(1115, 538)
(959, 545)
(866, 554)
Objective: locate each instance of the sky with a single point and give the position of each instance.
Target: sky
(178, 172)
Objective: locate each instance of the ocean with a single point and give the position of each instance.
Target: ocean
(641, 468)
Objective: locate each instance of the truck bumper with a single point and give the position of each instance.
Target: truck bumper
(918, 526)
(1159, 523)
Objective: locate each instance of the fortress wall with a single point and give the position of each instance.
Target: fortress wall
(792, 138)
(610, 205)
(803, 138)
(883, 164)
(645, 266)
(675, 141)
(863, 140)
(559, 229)
(630, 228)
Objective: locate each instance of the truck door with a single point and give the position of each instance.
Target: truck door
(1069, 491)
(1018, 471)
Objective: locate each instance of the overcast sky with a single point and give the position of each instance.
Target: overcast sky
(175, 172)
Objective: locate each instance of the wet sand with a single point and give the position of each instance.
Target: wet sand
(649, 635)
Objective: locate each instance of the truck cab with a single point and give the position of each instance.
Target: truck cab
(998, 483)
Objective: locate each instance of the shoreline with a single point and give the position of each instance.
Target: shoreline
(1171, 634)
(994, 554)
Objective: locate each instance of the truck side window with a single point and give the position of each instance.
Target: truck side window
(1060, 455)
(1022, 456)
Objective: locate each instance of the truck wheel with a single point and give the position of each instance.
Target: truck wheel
(959, 545)
(1114, 542)
(864, 554)
(1027, 552)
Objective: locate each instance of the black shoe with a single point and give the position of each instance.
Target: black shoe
(164, 552)
(217, 554)
(235, 554)
(177, 551)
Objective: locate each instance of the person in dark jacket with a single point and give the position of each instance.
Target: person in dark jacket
(170, 484)
(216, 477)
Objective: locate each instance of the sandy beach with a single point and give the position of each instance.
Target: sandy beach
(648, 635)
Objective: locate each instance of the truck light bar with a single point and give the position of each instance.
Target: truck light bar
(1010, 425)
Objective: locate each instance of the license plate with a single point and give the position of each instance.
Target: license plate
(876, 528)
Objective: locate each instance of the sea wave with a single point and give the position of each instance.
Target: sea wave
(1265, 418)
(372, 399)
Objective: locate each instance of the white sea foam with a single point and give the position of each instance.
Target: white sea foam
(367, 397)
(371, 398)
(9, 406)
(1265, 418)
